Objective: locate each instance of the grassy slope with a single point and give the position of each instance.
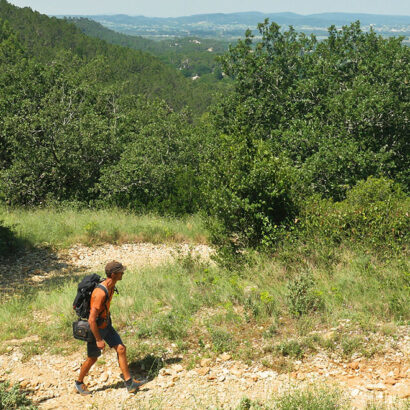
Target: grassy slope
(205, 310)
(61, 229)
(196, 304)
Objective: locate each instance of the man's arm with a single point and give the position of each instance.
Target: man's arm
(92, 320)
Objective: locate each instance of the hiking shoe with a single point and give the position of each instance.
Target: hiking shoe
(133, 385)
(82, 389)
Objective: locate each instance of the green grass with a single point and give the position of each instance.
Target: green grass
(193, 305)
(66, 227)
(314, 398)
(11, 397)
(309, 398)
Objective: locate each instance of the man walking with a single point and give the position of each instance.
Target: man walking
(100, 324)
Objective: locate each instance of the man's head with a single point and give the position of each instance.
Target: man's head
(115, 269)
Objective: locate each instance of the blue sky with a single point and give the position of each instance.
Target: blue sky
(174, 8)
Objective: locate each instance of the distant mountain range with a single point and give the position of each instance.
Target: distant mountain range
(233, 25)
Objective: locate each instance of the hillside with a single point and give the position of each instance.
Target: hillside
(192, 56)
(226, 355)
(45, 37)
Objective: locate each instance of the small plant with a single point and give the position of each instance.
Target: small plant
(189, 261)
(268, 302)
(248, 404)
(222, 341)
(302, 296)
(280, 364)
(29, 350)
(91, 229)
(143, 330)
(396, 405)
(171, 325)
(351, 345)
(398, 306)
(291, 348)
(11, 397)
(271, 331)
(311, 399)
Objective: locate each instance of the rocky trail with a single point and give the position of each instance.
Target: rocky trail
(217, 382)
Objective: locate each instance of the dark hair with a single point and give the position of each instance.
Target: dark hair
(114, 267)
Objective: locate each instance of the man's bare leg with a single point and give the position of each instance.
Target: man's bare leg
(122, 361)
(131, 384)
(85, 368)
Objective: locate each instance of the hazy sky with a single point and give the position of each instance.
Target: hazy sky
(174, 8)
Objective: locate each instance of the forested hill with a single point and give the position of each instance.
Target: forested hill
(192, 56)
(43, 38)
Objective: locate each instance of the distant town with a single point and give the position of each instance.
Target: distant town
(232, 26)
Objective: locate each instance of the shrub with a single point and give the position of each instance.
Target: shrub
(310, 399)
(290, 348)
(12, 398)
(302, 297)
(248, 404)
(374, 213)
(222, 341)
(171, 325)
(260, 303)
(9, 241)
(247, 190)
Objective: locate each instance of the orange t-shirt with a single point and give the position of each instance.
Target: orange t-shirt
(103, 307)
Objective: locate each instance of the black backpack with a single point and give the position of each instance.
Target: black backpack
(85, 288)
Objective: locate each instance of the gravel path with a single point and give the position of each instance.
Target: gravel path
(37, 267)
(215, 383)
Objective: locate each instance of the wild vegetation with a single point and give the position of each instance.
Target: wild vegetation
(298, 177)
(192, 56)
(60, 228)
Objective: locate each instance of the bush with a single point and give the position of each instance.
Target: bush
(302, 296)
(374, 213)
(9, 242)
(222, 341)
(247, 190)
(310, 399)
(171, 325)
(290, 348)
(7, 239)
(12, 398)
(260, 303)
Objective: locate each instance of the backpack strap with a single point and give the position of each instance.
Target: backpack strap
(105, 291)
(107, 296)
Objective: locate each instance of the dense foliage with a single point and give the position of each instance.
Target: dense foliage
(43, 38)
(96, 124)
(305, 118)
(11, 397)
(374, 213)
(63, 127)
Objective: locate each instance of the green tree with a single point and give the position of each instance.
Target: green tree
(303, 95)
(60, 130)
(158, 168)
(304, 117)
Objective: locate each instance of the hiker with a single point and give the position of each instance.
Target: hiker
(101, 327)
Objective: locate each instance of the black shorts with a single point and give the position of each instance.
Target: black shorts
(109, 335)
